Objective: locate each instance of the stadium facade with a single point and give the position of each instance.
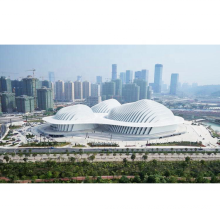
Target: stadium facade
(144, 117)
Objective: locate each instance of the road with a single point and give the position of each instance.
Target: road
(111, 158)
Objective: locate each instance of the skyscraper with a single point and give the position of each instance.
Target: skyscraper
(123, 77)
(45, 98)
(47, 83)
(174, 83)
(95, 90)
(8, 102)
(131, 92)
(129, 76)
(114, 71)
(149, 92)
(118, 87)
(24, 103)
(145, 75)
(78, 90)
(143, 88)
(69, 91)
(5, 84)
(30, 86)
(86, 89)
(108, 90)
(51, 77)
(99, 79)
(158, 78)
(79, 78)
(59, 91)
(17, 86)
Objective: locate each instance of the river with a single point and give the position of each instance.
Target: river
(215, 127)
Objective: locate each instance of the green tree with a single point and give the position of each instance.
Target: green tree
(92, 157)
(187, 159)
(6, 157)
(144, 157)
(25, 159)
(133, 156)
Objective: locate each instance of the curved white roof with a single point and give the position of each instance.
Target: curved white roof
(105, 106)
(143, 111)
(74, 113)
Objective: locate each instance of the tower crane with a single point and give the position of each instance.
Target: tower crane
(32, 70)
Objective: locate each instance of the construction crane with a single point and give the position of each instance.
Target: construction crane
(8, 73)
(32, 70)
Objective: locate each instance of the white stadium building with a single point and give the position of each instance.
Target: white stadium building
(144, 117)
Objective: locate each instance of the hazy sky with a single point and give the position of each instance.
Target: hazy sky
(193, 63)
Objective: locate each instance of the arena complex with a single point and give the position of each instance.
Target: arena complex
(144, 117)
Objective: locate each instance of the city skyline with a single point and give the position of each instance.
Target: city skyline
(193, 63)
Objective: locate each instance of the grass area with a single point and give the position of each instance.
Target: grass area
(182, 143)
(79, 145)
(46, 144)
(93, 144)
(15, 127)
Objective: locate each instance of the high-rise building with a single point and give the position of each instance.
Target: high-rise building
(131, 92)
(59, 91)
(17, 86)
(45, 98)
(5, 84)
(143, 88)
(99, 79)
(93, 100)
(51, 77)
(8, 102)
(86, 89)
(108, 90)
(47, 84)
(158, 78)
(69, 91)
(114, 71)
(145, 75)
(25, 103)
(30, 86)
(129, 76)
(79, 78)
(78, 90)
(123, 77)
(95, 90)
(174, 83)
(149, 92)
(118, 87)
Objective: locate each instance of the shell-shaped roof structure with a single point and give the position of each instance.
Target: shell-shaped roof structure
(74, 113)
(143, 111)
(105, 106)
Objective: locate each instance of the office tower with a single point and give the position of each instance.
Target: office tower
(17, 86)
(145, 75)
(131, 92)
(95, 90)
(149, 92)
(129, 76)
(30, 86)
(46, 83)
(5, 84)
(69, 91)
(108, 90)
(118, 87)
(8, 102)
(114, 71)
(143, 88)
(51, 77)
(93, 100)
(79, 78)
(45, 98)
(174, 83)
(158, 78)
(99, 79)
(59, 91)
(24, 103)
(137, 75)
(86, 89)
(78, 90)
(123, 77)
